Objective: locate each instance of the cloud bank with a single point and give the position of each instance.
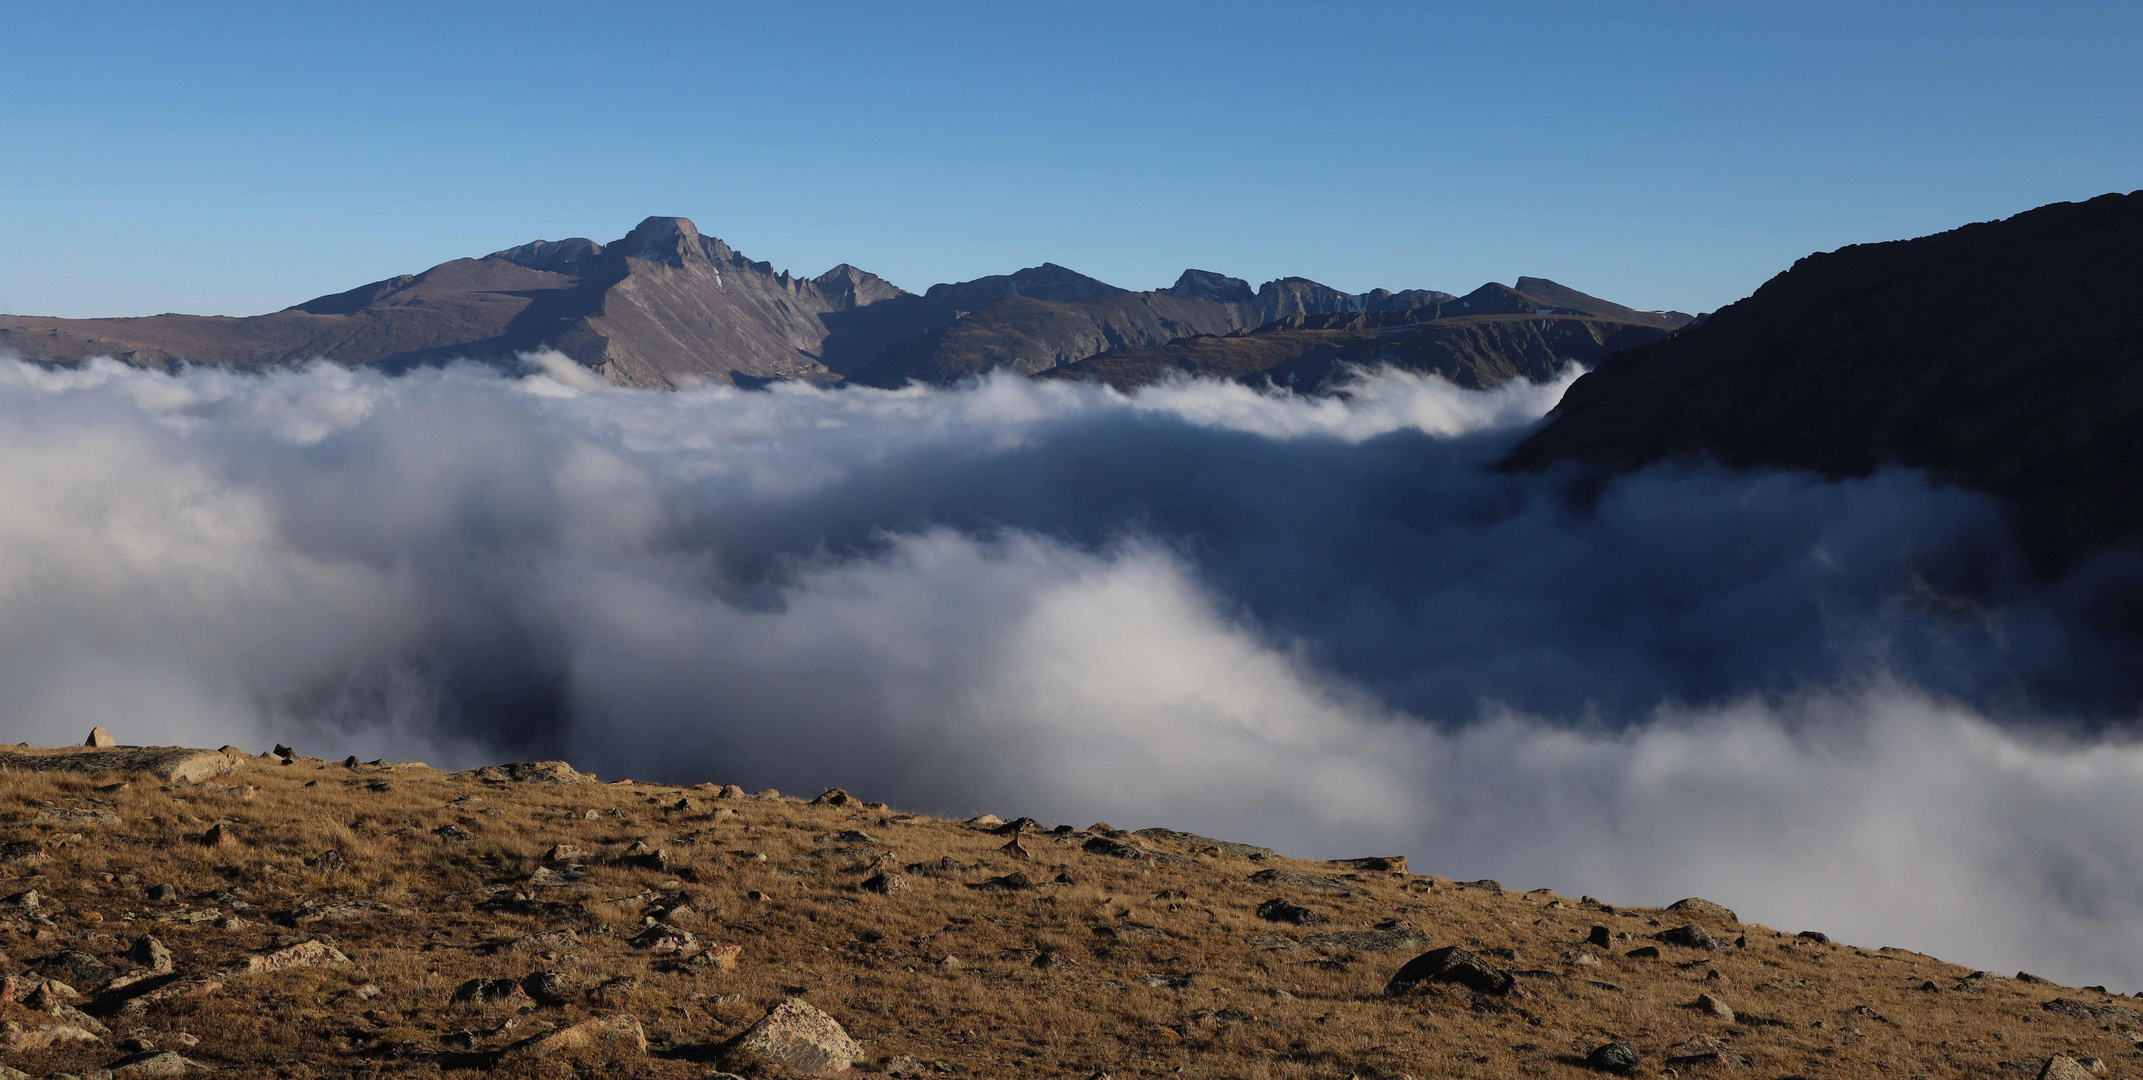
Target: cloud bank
(1318, 624)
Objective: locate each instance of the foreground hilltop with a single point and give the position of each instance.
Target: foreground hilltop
(167, 911)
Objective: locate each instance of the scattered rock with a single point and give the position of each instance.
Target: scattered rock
(454, 833)
(1688, 937)
(1114, 848)
(1375, 864)
(1711, 1006)
(313, 953)
(1700, 908)
(903, 1065)
(730, 791)
(1816, 936)
(155, 1063)
(219, 835)
(984, 821)
(1449, 964)
(833, 797)
(663, 938)
(100, 738)
(150, 953)
(1303, 881)
(1600, 937)
(792, 1037)
(2064, 1067)
(1283, 911)
(564, 854)
(885, 883)
(488, 992)
(614, 991)
(1618, 1058)
(531, 772)
(1015, 881)
(1704, 1052)
(14, 1036)
(618, 1032)
(76, 817)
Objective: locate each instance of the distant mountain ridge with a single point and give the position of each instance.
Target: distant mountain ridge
(665, 305)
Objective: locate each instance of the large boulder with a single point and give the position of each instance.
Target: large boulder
(792, 1037)
(1451, 965)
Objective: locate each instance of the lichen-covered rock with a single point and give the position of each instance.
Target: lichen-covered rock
(793, 1037)
(617, 1033)
(531, 772)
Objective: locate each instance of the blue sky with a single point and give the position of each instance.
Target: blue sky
(244, 157)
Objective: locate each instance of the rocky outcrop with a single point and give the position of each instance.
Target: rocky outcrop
(171, 764)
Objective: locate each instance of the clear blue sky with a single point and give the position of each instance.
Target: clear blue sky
(236, 158)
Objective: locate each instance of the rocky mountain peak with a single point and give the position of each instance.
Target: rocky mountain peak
(557, 256)
(671, 240)
(1207, 285)
(852, 286)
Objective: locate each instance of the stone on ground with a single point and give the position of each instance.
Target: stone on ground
(793, 1037)
(100, 738)
(619, 1032)
(1619, 1058)
(1453, 965)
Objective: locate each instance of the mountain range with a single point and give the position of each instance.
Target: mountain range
(667, 306)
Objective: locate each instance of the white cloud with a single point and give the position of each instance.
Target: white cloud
(1309, 623)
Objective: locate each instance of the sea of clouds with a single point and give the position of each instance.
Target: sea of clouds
(1323, 624)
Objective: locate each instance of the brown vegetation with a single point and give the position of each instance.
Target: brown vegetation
(314, 919)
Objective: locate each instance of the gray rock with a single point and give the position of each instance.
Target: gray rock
(100, 738)
(1600, 937)
(1619, 1058)
(885, 883)
(1711, 1006)
(531, 772)
(2064, 1067)
(488, 992)
(1375, 864)
(171, 764)
(1688, 937)
(1299, 880)
(1284, 911)
(546, 988)
(1700, 908)
(792, 1037)
(1452, 965)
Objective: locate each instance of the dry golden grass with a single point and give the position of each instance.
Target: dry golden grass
(879, 963)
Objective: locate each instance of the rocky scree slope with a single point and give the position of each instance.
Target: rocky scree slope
(295, 917)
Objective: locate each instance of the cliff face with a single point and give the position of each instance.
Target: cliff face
(2006, 356)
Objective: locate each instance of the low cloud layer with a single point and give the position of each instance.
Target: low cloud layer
(1319, 624)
